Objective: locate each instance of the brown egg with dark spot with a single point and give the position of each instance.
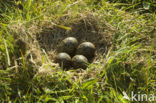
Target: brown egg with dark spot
(68, 45)
(79, 61)
(87, 49)
(64, 60)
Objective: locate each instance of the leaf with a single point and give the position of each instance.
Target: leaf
(146, 5)
(64, 27)
(89, 82)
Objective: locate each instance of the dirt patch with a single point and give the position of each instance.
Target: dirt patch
(89, 28)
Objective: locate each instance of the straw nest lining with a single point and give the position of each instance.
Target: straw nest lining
(90, 28)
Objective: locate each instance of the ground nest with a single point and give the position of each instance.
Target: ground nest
(85, 29)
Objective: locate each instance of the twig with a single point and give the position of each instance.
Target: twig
(8, 57)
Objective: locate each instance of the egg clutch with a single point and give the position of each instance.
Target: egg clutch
(72, 54)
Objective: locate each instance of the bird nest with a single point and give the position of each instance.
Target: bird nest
(89, 28)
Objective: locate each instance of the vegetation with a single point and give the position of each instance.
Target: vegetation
(124, 36)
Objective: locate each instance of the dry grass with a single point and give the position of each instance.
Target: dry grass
(125, 52)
